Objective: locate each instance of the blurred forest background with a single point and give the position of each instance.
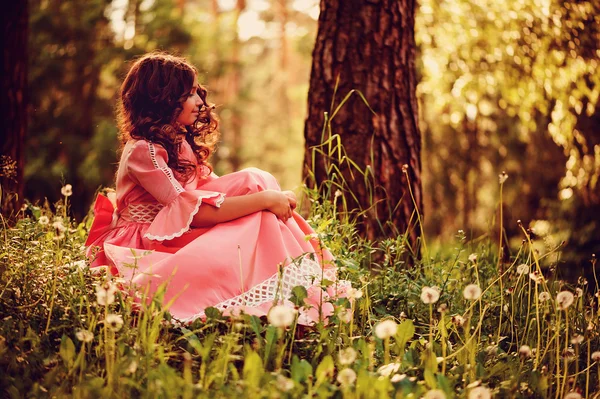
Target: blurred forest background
(509, 85)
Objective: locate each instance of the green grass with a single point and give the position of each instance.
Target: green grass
(506, 341)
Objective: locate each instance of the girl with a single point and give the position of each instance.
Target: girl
(231, 242)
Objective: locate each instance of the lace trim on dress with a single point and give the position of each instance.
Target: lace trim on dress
(186, 227)
(141, 213)
(165, 169)
(307, 273)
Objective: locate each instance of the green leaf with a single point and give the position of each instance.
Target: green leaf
(325, 370)
(256, 325)
(299, 294)
(443, 383)
(253, 369)
(67, 350)
(271, 337)
(212, 313)
(300, 370)
(406, 330)
(430, 379)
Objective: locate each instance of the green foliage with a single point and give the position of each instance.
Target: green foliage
(521, 334)
(511, 86)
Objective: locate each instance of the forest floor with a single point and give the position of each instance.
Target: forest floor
(457, 323)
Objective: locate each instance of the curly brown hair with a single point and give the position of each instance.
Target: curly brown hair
(151, 99)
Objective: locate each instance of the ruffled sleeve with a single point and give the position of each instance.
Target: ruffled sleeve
(147, 166)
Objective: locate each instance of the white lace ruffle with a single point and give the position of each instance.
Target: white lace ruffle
(142, 212)
(189, 221)
(278, 288)
(165, 169)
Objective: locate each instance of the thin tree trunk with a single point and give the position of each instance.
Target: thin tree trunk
(369, 46)
(15, 20)
(235, 139)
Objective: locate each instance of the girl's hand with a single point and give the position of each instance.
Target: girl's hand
(278, 203)
(291, 198)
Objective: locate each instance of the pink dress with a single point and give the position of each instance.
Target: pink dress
(246, 264)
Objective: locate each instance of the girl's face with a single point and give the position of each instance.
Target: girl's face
(191, 106)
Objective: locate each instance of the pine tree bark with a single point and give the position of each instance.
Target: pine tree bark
(13, 104)
(369, 46)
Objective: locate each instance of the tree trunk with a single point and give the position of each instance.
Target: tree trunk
(15, 19)
(369, 46)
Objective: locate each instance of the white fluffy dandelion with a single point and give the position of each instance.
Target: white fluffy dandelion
(346, 377)
(43, 220)
(596, 356)
(502, 177)
(573, 395)
(577, 339)
(284, 384)
(536, 277)
(564, 299)
(480, 393)
(388, 369)
(458, 320)
(67, 190)
(347, 356)
(354, 293)
(522, 269)
(525, 351)
(473, 258)
(430, 295)
(544, 296)
(114, 321)
(84, 335)
(386, 329)
(472, 292)
(435, 394)
(105, 293)
(281, 316)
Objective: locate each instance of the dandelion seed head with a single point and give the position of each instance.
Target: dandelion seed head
(573, 395)
(84, 335)
(596, 356)
(386, 329)
(345, 315)
(544, 296)
(564, 299)
(473, 258)
(430, 295)
(388, 369)
(284, 384)
(354, 293)
(525, 351)
(472, 292)
(347, 356)
(577, 339)
(114, 321)
(346, 377)
(67, 190)
(502, 177)
(281, 316)
(522, 269)
(435, 394)
(536, 277)
(458, 320)
(480, 393)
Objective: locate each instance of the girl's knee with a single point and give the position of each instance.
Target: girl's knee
(258, 180)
